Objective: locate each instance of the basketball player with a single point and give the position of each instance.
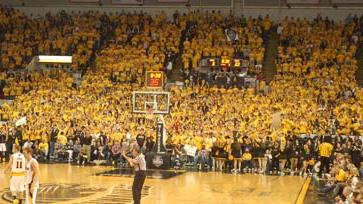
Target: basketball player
(32, 177)
(17, 166)
(139, 164)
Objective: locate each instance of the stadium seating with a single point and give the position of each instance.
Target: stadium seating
(78, 35)
(143, 45)
(207, 38)
(316, 61)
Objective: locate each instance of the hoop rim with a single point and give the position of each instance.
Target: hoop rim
(150, 111)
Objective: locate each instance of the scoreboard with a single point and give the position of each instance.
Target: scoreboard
(224, 62)
(154, 79)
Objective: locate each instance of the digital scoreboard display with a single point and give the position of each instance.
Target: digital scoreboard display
(154, 79)
(225, 62)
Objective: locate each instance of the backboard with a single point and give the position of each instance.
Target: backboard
(153, 102)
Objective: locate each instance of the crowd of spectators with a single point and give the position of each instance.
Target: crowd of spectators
(343, 179)
(76, 34)
(142, 43)
(317, 59)
(208, 39)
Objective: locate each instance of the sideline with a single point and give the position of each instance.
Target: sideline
(301, 197)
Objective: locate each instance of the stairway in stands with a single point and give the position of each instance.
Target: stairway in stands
(269, 65)
(359, 74)
(177, 72)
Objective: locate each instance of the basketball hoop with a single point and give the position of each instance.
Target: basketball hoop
(143, 101)
(149, 114)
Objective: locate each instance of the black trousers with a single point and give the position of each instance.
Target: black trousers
(325, 161)
(139, 180)
(356, 158)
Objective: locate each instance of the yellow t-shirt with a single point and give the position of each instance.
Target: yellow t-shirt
(341, 176)
(247, 156)
(43, 146)
(325, 149)
(62, 139)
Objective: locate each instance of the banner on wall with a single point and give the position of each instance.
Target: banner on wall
(84, 1)
(173, 1)
(130, 2)
(347, 1)
(303, 1)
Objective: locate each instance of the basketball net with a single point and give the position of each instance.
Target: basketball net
(149, 114)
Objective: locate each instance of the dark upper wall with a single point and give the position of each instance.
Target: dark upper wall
(277, 9)
(247, 3)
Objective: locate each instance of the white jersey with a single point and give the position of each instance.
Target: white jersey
(18, 165)
(17, 173)
(29, 171)
(31, 196)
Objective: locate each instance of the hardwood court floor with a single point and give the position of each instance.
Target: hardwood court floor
(63, 183)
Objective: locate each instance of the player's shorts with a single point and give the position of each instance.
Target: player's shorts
(17, 184)
(2, 147)
(30, 197)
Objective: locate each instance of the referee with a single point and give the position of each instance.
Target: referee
(139, 164)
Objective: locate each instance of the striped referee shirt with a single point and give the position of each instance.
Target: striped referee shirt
(141, 163)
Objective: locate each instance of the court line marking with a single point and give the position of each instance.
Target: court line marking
(164, 170)
(55, 188)
(304, 189)
(85, 199)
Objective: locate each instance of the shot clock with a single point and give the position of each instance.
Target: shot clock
(154, 79)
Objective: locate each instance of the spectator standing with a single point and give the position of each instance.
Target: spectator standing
(236, 151)
(149, 144)
(69, 149)
(53, 139)
(76, 149)
(58, 150)
(19, 135)
(357, 152)
(44, 148)
(9, 144)
(86, 141)
(116, 152)
(325, 151)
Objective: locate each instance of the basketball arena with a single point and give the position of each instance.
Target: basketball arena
(181, 101)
